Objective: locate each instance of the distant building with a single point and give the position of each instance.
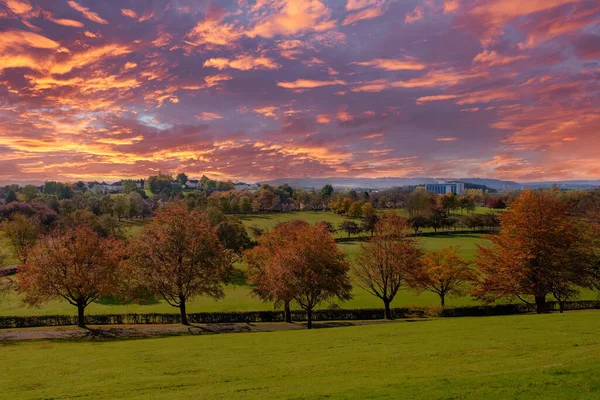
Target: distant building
(193, 184)
(457, 188)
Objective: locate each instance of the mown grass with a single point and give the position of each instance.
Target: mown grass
(518, 357)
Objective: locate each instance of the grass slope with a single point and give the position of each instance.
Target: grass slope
(518, 357)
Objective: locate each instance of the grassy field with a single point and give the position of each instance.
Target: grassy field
(518, 357)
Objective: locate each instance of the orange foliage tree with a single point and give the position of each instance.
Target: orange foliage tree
(541, 249)
(77, 266)
(443, 272)
(299, 262)
(385, 261)
(179, 256)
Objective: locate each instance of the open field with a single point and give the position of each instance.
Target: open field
(526, 356)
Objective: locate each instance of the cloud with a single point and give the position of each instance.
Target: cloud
(446, 139)
(492, 58)
(92, 16)
(242, 62)
(290, 17)
(408, 63)
(309, 84)
(209, 116)
(66, 22)
(268, 111)
(129, 13)
(368, 13)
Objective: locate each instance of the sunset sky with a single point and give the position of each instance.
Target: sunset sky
(258, 89)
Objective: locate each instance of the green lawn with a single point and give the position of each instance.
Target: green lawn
(512, 357)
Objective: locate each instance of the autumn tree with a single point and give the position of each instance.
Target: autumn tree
(23, 233)
(178, 256)
(265, 266)
(315, 268)
(299, 262)
(385, 261)
(76, 265)
(442, 272)
(540, 247)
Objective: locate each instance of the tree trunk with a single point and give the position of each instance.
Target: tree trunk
(443, 299)
(540, 304)
(387, 313)
(81, 316)
(309, 317)
(287, 312)
(184, 319)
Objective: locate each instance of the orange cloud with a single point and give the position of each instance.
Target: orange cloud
(367, 13)
(433, 78)
(212, 32)
(495, 14)
(268, 111)
(426, 99)
(309, 84)
(66, 22)
(129, 13)
(408, 63)
(289, 17)
(446, 139)
(92, 16)
(18, 7)
(492, 58)
(208, 116)
(372, 136)
(353, 5)
(242, 62)
(82, 59)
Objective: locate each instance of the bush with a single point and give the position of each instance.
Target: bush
(297, 315)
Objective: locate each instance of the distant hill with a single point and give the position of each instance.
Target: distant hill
(383, 183)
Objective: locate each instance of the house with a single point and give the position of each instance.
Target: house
(193, 184)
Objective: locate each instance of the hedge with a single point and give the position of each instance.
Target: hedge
(297, 315)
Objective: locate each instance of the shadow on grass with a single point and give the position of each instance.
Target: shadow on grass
(117, 301)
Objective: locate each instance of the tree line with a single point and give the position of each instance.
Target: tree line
(547, 245)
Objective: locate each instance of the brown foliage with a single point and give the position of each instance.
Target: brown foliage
(300, 262)
(443, 272)
(541, 249)
(179, 256)
(76, 265)
(386, 259)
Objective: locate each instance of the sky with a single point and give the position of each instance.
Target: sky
(252, 90)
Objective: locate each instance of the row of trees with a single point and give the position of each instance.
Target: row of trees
(545, 247)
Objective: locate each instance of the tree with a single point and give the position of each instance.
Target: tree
(181, 178)
(178, 256)
(540, 246)
(327, 190)
(350, 227)
(369, 223)
(315, 268)
(265, 267)
(298, 262)
(76, 265)
(129, 186)
(385, 261)
(355, 209)
(121, 206)
(30, 192)
(245, 205)
(443, 272)
(23, 233)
